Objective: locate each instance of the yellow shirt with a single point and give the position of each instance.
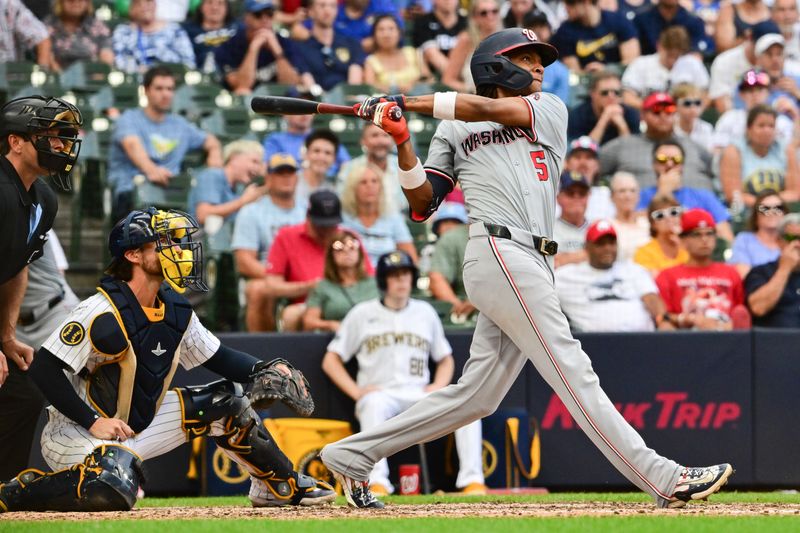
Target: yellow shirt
(393, 79)
(652, 257)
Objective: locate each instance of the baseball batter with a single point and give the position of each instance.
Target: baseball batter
(107, 369)
(508, 169)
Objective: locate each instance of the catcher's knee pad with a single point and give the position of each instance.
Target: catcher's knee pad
(107, 480)
(218, 400)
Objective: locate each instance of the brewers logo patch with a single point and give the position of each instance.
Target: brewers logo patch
(72, 334)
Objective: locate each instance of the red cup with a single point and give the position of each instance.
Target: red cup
(409, 479)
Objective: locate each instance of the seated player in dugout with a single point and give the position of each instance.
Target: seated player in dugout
(107, 369)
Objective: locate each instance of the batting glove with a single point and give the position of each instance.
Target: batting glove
(366, 109)
(389, 117)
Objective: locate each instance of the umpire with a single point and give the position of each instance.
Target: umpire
(38, 137)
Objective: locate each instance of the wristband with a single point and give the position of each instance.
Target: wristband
(411, 179)
(444, 105)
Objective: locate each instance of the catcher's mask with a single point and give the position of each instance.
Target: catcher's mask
(34, 118)
(172, 232)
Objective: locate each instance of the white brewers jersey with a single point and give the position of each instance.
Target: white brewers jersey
(70, 342)
(392, 347)
(509, 175)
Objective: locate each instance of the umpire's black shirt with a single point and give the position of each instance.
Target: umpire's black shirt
(17, 206)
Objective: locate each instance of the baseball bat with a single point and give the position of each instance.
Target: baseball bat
(286, 105)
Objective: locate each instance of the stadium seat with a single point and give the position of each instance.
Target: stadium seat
(86, 76)
(174, 196)
(233, 122)
(348, 94)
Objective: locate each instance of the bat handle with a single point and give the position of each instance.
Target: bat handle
(396, 114)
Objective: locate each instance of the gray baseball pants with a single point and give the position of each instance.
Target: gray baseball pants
(520, 319)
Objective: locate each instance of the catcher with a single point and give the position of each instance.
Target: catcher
(107, 369)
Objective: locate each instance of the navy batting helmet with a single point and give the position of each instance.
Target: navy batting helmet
(181, 256)
(391, 262)
(491, 67)
(36, 115)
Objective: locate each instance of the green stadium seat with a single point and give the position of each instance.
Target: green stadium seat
(16, 74)
(422, 130)
(348, 94)
(174, 196)
(272, 89)
(219, 308)
(231, 122)
(86, 76)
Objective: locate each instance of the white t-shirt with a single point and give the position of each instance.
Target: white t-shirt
(727, 71)
(569, 238)
(392, 347)
(605, 300)
(70, 341)
(630, 237)
(732, 125)
(646, 74)
(702, 133)
(599, 205)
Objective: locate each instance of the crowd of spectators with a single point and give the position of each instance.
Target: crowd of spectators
(679, 114)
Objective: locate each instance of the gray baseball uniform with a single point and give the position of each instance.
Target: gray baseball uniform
(510, 176)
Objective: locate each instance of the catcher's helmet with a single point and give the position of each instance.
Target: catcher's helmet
(180, 255)
(34, 115)
(490, 66)
(397, 260)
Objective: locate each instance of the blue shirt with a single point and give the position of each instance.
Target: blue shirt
(328, 64)
(212, 187)
(231, 53)
(690, 198)
(786, 313)
(165, 142)
(748, 250)
(582, 120)
(382, 237)
(259, 222)
(205, 42)
(598, 43)
(361, 28)
(651, 23)
(293, 144)
(556, 80)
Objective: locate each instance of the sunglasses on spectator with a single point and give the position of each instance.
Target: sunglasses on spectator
(485, 12)
(664, 109)
(661, 214)
(264, 13)
(607, 92)
(662, 158)
(789, 237)
(690, 102)
(345, 245)
(754, 78)
(771, 209)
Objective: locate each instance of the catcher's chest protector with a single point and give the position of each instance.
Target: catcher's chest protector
(134, 383)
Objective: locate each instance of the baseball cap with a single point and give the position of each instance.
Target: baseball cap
(570, 178)
(763, 43)
(324, 208)
(584, 143)
(599, 229)
(762, 28)
(658, 100)
(254, 6)
(449, 211)
(692, 219)
(281, 161)
(754, 78)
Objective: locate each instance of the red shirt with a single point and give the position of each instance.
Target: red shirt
(711, 291)
(296, 256)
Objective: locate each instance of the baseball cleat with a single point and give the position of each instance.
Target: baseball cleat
(698, 483)
(357, 492)
(309, 492)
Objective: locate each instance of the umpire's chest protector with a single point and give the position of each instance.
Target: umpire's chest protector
(142, 358)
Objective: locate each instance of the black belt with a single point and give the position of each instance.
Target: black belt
(26, 319)
(544, 245)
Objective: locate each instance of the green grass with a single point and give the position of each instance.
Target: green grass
(363, 522)
(432, 525)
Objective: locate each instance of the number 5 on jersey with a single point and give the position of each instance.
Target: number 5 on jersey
(539, 164)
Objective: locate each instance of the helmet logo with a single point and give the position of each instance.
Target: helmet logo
(530, 35)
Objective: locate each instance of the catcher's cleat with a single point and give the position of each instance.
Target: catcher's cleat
(698, 483)
(303, 490)
(357, 492)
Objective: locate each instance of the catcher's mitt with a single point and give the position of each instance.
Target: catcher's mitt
(271, 383)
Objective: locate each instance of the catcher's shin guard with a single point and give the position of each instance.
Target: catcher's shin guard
(107, 480)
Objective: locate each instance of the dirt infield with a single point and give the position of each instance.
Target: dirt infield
(442, 510)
